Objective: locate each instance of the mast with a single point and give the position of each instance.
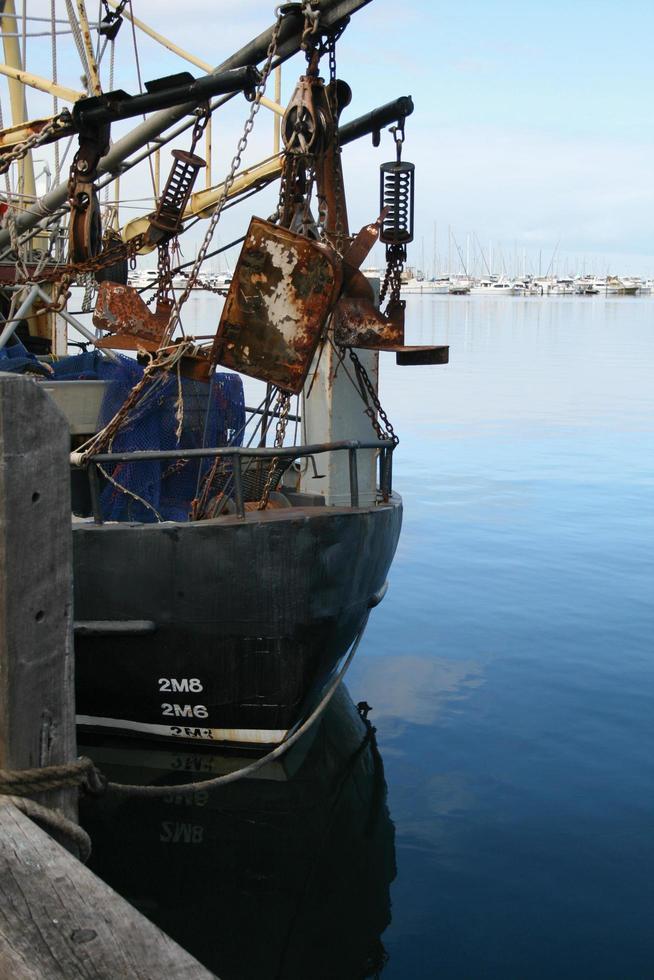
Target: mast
(290, 37)
(13, 57)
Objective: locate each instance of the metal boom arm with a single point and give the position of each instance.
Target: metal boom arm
(332, 12)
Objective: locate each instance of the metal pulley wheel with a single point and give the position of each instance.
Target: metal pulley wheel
(85, 234)
(307, 119)
(298, 129)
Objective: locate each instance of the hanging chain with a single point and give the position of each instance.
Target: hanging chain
(90, 288)
(395, 259)
(340, 237)
(203, 115)
(164, 278)
(374, 410)
(282, 407)
(311, 11)
(229, 179)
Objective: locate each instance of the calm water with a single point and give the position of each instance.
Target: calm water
(512, 666)
(511, 673)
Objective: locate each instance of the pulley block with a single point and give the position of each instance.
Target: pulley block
(307, 123)
(85, 229)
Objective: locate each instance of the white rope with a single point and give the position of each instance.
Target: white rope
(55, 100)
(79, 42)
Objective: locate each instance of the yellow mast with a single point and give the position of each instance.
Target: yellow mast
(94, 80)
(9, 28)
(22, 78)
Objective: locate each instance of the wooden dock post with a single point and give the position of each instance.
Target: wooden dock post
(37, 710)
(57, 920)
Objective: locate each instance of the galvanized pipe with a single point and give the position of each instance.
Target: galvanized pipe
(375, 120)
(74, 322)
(147, 455)
(21, 313)
(237, 474)
(354, 478)
(94, 487)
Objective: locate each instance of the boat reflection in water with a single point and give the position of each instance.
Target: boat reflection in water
(285, 875)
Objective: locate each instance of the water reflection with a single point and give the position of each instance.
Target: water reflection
(285, 876)
(412, 689)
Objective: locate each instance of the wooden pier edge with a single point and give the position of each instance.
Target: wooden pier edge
(57, 920)
(37, 698)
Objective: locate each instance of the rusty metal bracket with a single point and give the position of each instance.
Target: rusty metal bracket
(131, 325)
(358, 322)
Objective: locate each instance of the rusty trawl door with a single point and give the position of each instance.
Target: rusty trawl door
(282, 292)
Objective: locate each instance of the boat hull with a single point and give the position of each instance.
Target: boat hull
(222, 631)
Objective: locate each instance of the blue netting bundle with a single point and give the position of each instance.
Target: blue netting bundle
(16, 359)
(211, 414)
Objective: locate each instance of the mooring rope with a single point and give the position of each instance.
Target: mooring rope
(27, 782)
(53, 821)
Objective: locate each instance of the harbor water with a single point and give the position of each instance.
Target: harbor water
(510, 670)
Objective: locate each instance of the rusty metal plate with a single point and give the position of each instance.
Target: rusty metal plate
(132, 326)
(282, 291)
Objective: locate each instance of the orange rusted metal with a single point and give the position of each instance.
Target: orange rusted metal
(358, 323)
(283, 289)
(196, 364)
(131, 325)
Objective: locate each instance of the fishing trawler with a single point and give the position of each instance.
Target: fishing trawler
(222, 574)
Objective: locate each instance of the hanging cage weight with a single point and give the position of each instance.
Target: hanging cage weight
(396, 192)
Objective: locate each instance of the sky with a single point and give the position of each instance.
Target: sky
(532, 136)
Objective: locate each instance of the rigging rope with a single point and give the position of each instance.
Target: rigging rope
(138, 75)
(55, 100)
(79, 42)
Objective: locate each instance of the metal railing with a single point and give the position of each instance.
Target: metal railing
(237, 454)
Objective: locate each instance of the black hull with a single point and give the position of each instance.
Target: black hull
(285, 875)
(222, 631)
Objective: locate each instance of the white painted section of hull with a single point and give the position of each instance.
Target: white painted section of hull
(243, 736)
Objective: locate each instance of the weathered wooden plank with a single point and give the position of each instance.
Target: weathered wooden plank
(37, 724)
(59, 922)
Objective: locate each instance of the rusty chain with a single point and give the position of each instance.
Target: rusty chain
(372, 411)
(203, 115)
(395, 259)
(311, 12)
(340, 236)
(164, 278)
(282, 407)
(20, 150)
(229, 179)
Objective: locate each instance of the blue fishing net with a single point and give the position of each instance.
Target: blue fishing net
(16, 359)
(172, 413)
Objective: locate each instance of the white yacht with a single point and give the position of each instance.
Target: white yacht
(459, 286)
